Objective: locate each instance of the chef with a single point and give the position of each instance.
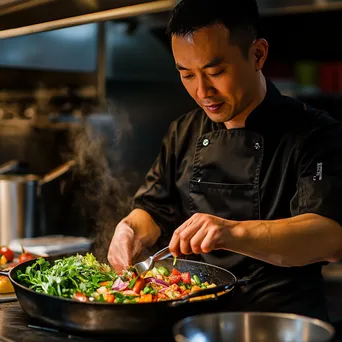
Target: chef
(250, 178)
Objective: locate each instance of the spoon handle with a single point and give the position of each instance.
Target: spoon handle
(162, 254)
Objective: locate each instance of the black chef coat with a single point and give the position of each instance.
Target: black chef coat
(286, 161)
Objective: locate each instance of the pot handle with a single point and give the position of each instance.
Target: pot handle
(9, 166)
(60, 170)
(4, 273)
(221, 288)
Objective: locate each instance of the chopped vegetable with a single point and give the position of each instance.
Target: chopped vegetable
(5, 285)
(84, 279)
(163, 271)
(196, 279)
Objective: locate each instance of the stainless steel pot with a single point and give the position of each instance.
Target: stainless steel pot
(252, 327)
(18, 201)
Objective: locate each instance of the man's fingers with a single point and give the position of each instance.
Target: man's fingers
(196, 241)
(174, 245)
(209, 241)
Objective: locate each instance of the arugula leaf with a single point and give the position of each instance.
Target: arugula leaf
(67, 276)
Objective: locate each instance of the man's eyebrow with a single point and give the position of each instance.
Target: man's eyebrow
(179, 67)
(213, 63)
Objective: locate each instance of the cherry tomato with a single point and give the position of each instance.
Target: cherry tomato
(7, 253)
(26, 256)
(81, 297)
(186, 278)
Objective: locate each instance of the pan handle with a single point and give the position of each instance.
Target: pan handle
(4, 273)
(221, 288)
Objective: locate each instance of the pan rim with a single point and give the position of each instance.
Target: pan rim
(325, 325)
(70, 300)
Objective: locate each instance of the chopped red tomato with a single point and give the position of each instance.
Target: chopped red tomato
(81, 297)
(186, 278)
(174, 279)
(175, 272)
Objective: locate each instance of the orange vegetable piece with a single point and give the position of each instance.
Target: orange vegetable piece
(147, 298)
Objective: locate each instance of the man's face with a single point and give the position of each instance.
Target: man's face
(215, 73)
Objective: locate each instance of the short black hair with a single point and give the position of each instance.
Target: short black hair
(240, 17)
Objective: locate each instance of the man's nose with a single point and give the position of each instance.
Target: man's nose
(204, 88)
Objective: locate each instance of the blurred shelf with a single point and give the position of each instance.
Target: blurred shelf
(289, 8)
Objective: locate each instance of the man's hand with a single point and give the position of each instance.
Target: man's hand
(294, 241)
(124, 247)
(202, 233)
(134, 234)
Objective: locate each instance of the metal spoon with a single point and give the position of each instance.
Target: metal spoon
(146, 265)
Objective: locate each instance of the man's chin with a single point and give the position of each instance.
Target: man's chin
(218, 117)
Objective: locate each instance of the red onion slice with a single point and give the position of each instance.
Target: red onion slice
(157, 281)
(119, 285)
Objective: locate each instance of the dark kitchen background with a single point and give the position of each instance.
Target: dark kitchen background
(51, 111)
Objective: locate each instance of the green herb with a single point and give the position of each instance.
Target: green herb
(154, 292)
(174, 261)
(67, 276)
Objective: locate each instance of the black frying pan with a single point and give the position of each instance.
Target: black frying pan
(105, 318)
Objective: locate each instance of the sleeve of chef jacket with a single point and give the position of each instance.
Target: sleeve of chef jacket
(319, 182)
(158, 195)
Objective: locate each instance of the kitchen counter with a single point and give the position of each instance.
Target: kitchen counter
(15, 326)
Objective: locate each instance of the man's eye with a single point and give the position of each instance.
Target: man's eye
(188, 76)
(217, 73)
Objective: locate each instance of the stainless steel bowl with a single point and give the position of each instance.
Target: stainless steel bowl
(252, 327)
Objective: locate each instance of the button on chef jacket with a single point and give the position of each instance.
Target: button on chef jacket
(286, 161)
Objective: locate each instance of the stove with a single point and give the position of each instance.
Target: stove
(14, 324)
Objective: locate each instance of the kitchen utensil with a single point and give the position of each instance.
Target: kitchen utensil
(252, 327)
(146, 265)
(18, 203)
(129, 319)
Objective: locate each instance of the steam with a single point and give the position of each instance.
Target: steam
(98, 149)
